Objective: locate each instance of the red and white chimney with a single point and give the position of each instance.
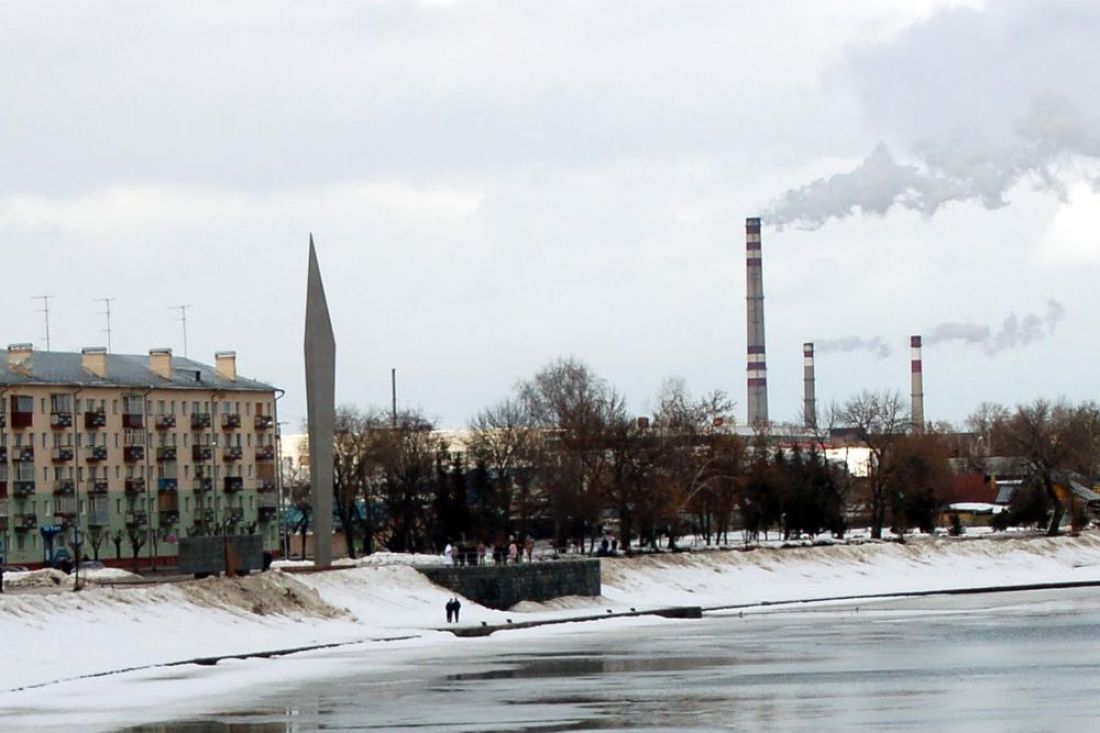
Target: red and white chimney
(754, 309)
(809, 396)
(917, 372)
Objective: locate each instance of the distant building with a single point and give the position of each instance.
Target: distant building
(117, 443)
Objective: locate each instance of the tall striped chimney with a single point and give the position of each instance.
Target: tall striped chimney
(917, 370)
(754, 297)
(809, 396)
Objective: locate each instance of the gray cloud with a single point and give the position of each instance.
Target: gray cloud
(950, 169)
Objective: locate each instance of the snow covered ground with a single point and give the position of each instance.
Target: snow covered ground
(50, 635)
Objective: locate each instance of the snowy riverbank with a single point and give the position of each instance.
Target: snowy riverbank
(50, 635)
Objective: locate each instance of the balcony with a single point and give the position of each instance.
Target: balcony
(233, 484)
(3, 489)
(99, 518)
(165, 422)
(266, 485)
(167, 484)
(97, 486)
(22, 489)
(204, 517)
(264, 422)
(20, 420)
(200, 420)
(23, 454)
(65, 487)
(62, 454)
(136, 519)
(97, 453)
(61, 420)
(266, 513)
(201, 453)
(234, 515)
(232, 453)
(133, 453)
(231, 421)
(3, 522)
(3, 454)
(95, 419)
(168, 518)
(3, 419)
(133, 420)
(265, 453)
(24, 522)
(64, 520)
(202, 484)
(166, 453)
(135, 486)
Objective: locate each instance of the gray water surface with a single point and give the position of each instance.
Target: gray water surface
(1009, 662)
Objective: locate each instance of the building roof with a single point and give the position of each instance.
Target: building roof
(123, 370)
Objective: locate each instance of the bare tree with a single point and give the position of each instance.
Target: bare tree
(879, 420)
(506, 442)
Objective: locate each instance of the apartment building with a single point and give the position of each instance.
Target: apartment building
(145, 447)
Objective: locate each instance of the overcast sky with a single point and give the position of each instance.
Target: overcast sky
(492, 185)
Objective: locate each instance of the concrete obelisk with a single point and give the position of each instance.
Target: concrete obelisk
(320, 354)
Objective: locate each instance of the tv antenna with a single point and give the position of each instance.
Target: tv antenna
(45, 309)
(107, 312)
(183, 319)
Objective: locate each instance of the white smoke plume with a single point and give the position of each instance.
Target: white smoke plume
(1048, 138)
(875, 345)
(1015, 331)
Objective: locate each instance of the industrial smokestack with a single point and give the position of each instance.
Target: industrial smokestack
(754, 296)
(917, 369)
(809, 396)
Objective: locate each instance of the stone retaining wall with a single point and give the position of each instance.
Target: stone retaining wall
(503, 586)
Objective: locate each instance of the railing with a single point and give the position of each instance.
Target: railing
(166, 453)
(200, 420)
(97, 486)
(59, 420)
(233, 484)
(133, 453)
(264, 422)
(266, 513)
(97, 453)
(265, 485)
(62, 454)
(168, 517)
(136, 519)
(135, 486)
(202, 484)
(234, 515)
(232, 453)
(99, 518)
(65, 487)
(133, 420)
(21, 489)
(201, 453)
(165, 422)
(265, 453)
(21, 419)
(23, 454)
(231, 421)
(3, 454)
(95, 419)
(167, 484)
(26, 521)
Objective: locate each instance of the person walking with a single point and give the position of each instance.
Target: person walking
(456, 605)
(450, 610)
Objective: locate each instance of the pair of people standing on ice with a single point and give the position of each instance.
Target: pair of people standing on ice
(453, 607)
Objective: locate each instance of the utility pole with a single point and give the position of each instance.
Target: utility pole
(45, 309)
(107, 312)
(393, 396)
(183, 319)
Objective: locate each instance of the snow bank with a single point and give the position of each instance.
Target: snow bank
(50, 634)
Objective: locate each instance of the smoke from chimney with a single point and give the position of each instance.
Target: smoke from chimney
(875, 345)
(949, 170)
(1015, 332)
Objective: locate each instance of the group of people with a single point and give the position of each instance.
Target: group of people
(512, 553)
(453, 607)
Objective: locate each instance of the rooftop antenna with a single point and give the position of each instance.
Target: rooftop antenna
(45, 309)
(107, 303)
(183, 319)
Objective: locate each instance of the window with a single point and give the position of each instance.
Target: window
(160, 407)
(114, 407)
(131, 404)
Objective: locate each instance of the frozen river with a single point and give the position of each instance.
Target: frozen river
(1003, 662)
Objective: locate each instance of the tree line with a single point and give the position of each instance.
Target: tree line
(562, 458)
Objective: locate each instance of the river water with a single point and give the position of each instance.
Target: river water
(999, 662)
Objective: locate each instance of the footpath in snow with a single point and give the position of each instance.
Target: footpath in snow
(50, 635)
